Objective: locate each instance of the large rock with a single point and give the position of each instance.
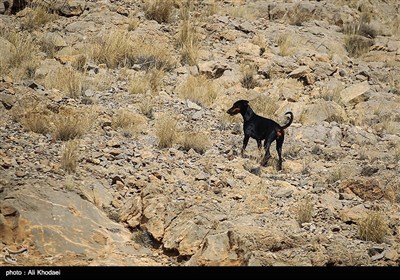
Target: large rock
(355, 93)
(221, 249)
(61, 222)
(322, 110)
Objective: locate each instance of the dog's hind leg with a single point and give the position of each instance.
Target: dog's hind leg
(267, 145)
(245, 142)
(279, 144)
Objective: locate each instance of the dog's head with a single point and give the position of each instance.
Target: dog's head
(239, 106)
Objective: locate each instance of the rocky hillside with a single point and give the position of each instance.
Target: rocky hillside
(116, 148)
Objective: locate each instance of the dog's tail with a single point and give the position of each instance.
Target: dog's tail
(290, 120)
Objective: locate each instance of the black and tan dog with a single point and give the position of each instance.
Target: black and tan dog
(260, 128)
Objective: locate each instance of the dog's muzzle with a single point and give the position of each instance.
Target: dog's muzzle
(233, 111)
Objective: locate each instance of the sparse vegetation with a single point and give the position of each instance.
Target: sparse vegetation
(20, 59)
(286, 44)
(146, 107)
(150, 81)
(66, 80)
(264, 106)
(373, 227)
(166, 130)
(304, 211)
(70, 123)
(359, 37)
(129, 122)
(118, 49)
(32, 115)
(159, 10)
(335, 176)
(197, 141)
(69, 156)
(36, 17)
(357, 45)
(188, 41)
(198, 89)
(248, 79)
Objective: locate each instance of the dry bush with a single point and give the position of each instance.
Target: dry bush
(264, 105)
(260, 41)
(48, 44)
(66, 80)
(361, 27)
(113, 49)
(33, 115)
(189, 42)
(244, 12)
(128, 122)
(197, 141)
(36, 17)
(159, 10)
(69, 156)
(36, 119)
(188, 39)
(298, 15)
(117, 49)
(286, 44)
(357, 45)
(335, 176)
(166, 130)
(133, 23)
(21, 61)
(146, 107)
(359, 36)
(373, 227)
(248, 72)
(151, 81)
(304, 211)
(198, 89)
(71, 123)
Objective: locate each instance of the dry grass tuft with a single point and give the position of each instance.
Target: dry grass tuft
(264, 105)
(151, 81)
(69, 156)
(359, 37)
(357, 45)
(188, 38)
(19, 60)
(244, 12)
(146, 107)
(286, 44)
(48, 44)
(36, 17)
(304, 211)
(66, 80)
(197, 141)
(189, 42)
(71, 123)
(248, 73)
(117, 49)
(158, 10)
(166, 130)
(198, 89)
(374, 227)
(128, 122)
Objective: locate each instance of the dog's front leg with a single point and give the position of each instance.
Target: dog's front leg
(245, 142)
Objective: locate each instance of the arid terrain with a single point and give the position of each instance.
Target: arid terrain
(116, 148)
